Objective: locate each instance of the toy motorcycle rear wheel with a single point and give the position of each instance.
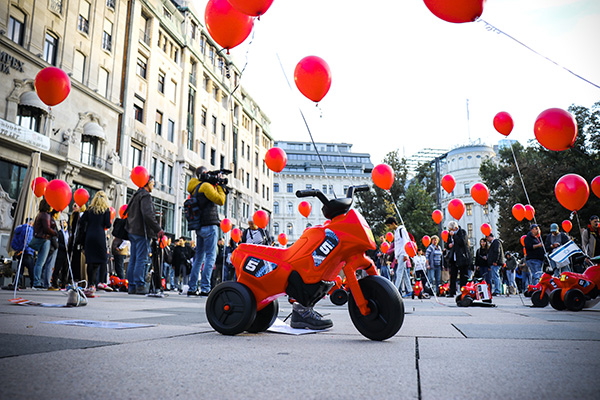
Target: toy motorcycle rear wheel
(540, 299)
(574, 300)
(555, 300)
(339, 297)
(466, 301)
(231, 308)
(385, 303)
(265, 317)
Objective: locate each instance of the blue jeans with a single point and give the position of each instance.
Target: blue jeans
(39, 263)
(169, 274)
(206, 253)
(434, 274)
(535, 268)
(385, 271)
(139, 258)
(48, 269)
(510, 275)
(402, 278)
(496, 281)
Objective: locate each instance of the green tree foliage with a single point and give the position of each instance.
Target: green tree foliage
(414, 200)
(541, 169)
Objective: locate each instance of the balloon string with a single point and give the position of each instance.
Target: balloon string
(491, 28)
(306, 124)
(580, 230)
(395, 208)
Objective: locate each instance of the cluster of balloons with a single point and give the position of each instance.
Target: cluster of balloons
(385, 246)
(520, 211)
(226, 24)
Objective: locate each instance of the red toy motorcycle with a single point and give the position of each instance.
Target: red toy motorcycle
(444, 289)
(575, 290)
(306, 271)
(475, 290)
(118, 284)
(418, 290)
(540, 293)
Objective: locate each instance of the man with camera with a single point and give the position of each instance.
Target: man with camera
(208, 188)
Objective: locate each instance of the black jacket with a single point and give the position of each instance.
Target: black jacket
(562, 240)
(495, 253)
(141, 217)
(533, 254)
(209, 197)
(460, 248)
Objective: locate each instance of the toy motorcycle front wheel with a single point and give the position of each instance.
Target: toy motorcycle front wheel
(339, 297)
(385, 303)
(555, 300)
(265, 317)
(574, 300)
(231, 308)
(540, 299)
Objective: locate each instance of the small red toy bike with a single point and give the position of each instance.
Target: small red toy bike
(540, 293)
(475, 293)
(418, 290)
(306, 271)
(444, 289)
(118, 284)
(575, 291)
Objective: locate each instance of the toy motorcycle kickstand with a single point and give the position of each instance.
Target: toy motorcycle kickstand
(306, 271)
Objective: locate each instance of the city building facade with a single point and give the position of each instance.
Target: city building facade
(148, 87)
(341, 168)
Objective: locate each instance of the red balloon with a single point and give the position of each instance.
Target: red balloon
(523, 240)
(305, 208)
(503, 123)
(445, 236)
(113, 213)
(518, 211)
(567, 225)
(236, 235)
(81, 196)
(52, 85)
(226, 225)
(437, 216)
(254, 8)
(383, 176)
(456, 11)
(480, 193)
(572, 192)
(276, 159)
(122, 210)
(58, 194)
(426, 240)
(261, 218)
(164, 242)
(529, 212)
(226, 25)
(448, 183)
(389, 237)
(39, 186)
(486, 229)
(313, 77)
(282, 238)
(555, 129)
(385, 247)
(140, 176)
(411, 249)
(456, 208)
(596, 186)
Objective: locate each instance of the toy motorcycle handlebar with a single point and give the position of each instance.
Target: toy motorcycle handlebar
(318, 194)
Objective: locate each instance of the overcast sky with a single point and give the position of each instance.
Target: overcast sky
(401, 76)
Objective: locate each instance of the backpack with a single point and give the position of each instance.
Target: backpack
(192, 211)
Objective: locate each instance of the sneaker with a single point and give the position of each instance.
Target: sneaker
(194, 293)
(52, 288)
(38, 288)
(309, 319)
(141, 290)
(205, 294)
(131, 289)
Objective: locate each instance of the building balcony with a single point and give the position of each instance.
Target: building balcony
(96, 162)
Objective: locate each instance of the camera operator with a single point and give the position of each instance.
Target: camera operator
(210, 194)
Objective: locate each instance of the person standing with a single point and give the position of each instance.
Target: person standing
(119, 249)
(495, 261)
(48, 268)
(481, 266)
(535, 253)
(589, 238)
(435, 262)
(458, 256)
(401, 237)
(61, 274)
(209, 195)
(42, 233)
(255, 235)
(97, 220)
(181, 259)
(420, 263)
(555, 239)
(229, 270)
(23, 235)
(141, 227)
(511, 267)
(73, 248)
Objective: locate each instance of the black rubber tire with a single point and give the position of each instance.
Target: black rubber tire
(458, 299)
(339, 297)
(540, 299)
(574, 300)
(528, 293)
(231, 308)
(555, 300)
(385, 303)
(265, 317)
(466, 301)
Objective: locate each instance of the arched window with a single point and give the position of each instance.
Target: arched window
(276, 228)
(290, 229)
(276, 207)
(31, 111)
(290, 208)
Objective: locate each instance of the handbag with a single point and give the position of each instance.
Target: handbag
(119, 230)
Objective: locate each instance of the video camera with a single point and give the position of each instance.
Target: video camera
(216, 177)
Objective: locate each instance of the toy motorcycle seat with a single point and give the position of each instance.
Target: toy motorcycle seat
(336, 207)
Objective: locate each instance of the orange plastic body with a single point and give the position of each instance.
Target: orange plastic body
(586, 282)
(470, 289)
(353, 236)
(546, 284)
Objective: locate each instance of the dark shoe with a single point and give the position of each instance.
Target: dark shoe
(193, 292)
(204, 294)
(309, 319)
(131, 289)
(141, 290)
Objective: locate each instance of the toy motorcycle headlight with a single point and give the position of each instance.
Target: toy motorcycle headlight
(563, 278)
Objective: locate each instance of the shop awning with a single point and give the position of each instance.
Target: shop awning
(31, 99)
(94, 129)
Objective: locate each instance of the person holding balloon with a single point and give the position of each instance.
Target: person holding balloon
(553, 240)
(458, 256)
(42, 232)
(535, 252)
(96, 220)
(589, 238)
